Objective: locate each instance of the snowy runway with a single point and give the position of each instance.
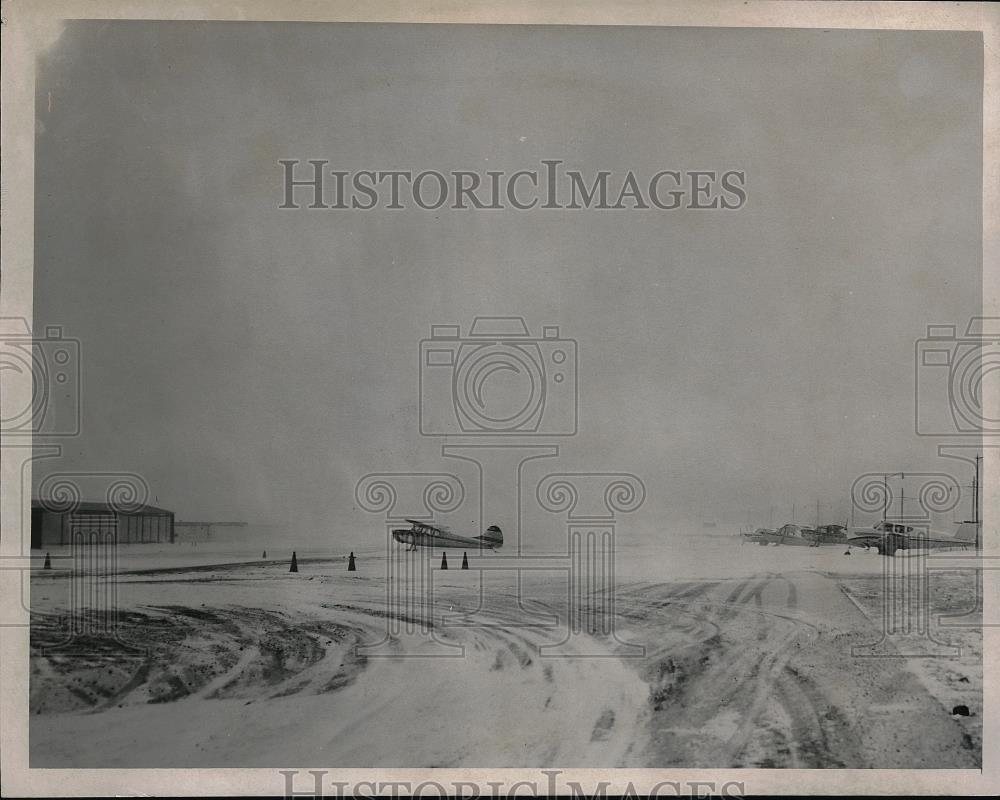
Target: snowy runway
(241, 664)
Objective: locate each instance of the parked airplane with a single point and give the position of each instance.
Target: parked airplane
(424, 534)
(761, 536)
(827, 535)
(888, 537)
(792, 534)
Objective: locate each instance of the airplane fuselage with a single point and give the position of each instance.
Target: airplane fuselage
(761, 536)
(888, 537)
(440, 541)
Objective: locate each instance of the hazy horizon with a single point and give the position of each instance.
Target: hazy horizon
(254, 363)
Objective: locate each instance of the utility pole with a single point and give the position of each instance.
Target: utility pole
(885, 489)
(975, 492)
(975, 500)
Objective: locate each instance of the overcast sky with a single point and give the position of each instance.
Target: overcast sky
(253, 362)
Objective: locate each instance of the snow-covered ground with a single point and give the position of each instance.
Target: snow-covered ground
(705, 652)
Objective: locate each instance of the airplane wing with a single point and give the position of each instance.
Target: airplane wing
(937, 543)
(428, 527)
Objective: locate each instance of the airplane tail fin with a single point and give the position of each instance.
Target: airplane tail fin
(967, 531)
(493, 536)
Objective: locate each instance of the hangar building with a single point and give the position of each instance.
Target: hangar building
(51, 525)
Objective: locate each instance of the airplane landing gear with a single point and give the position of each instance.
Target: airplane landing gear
(889, 546)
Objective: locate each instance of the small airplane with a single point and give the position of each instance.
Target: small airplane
(761, 536)
(888, 537)
(826, 535)
(820, 536)
(792, 534)
(802, 537)
(424, 534)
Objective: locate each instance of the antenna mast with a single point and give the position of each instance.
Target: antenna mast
(975, 492)
(975, 502)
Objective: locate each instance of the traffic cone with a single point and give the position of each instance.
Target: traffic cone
(48, 562)
(295, 563)
(465, 560)
(444, 561)
(351, 567)
(264, 554)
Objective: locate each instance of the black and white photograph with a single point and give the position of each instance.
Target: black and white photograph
(560, 407)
